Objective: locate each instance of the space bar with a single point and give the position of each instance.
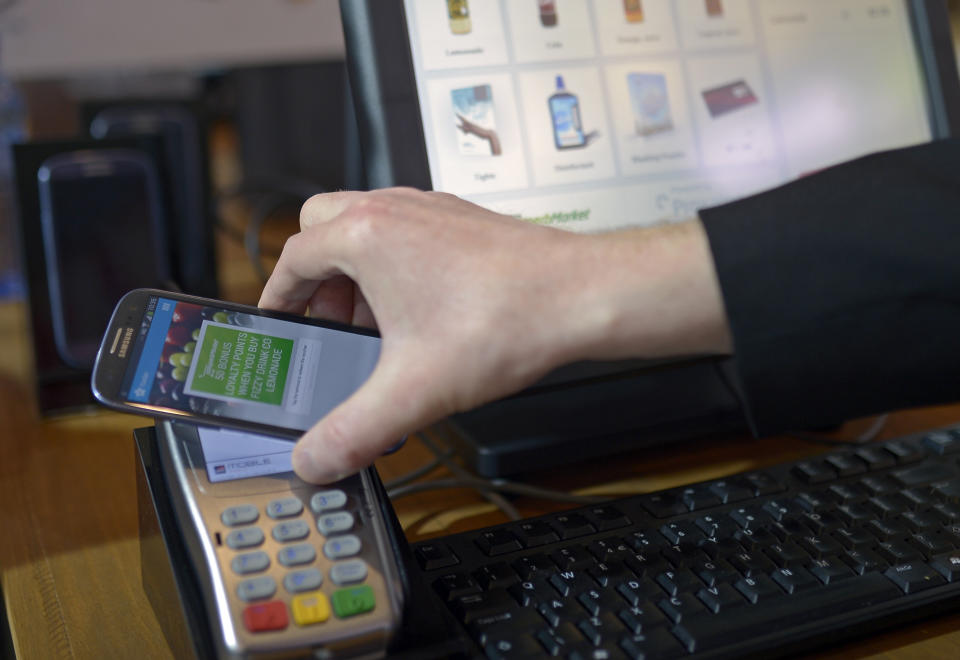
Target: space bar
(743, 623)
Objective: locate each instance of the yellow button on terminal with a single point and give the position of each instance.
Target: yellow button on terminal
(310, 608)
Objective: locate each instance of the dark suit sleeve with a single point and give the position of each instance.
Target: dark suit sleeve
(843, 288)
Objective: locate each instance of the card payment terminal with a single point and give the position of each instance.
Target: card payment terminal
(284, 567)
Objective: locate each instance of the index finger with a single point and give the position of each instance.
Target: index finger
(325, 207)
(306, 261)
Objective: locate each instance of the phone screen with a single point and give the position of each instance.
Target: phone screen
(221, 362)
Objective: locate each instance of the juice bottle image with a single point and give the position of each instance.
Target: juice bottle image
(565, 118)
(714, 8)
(634, 11)
(459, 14)
(548, 12)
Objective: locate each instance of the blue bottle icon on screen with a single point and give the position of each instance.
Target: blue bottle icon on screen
(565, 118)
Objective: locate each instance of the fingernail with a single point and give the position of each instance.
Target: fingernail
(308, 469)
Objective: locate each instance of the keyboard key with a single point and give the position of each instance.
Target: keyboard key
(250, 562)
(477, 606)
(707, 632)
(497, 542)
(536, 533)
(529, 566)
(678, 607)
(814, 472)
(698, 497)
(595, 601)
(609, 550)
(854, 514)
(603, 629)
(898, 552)
(749, 564)
(512, 646)
(454, 585)
(574, 556)
(846, 464)
(663, 505)
(787, 555)
(930, 544)
(942, 442)
(645, 542)
(919, 522)
(830, 569)
(923, 474)
(681, 532)
(657, 643)
(849, 493)
(572, 525)
(510, 622)
(904, 452)
(715, 526)
(762, 483)
(571, 582)
(559, 640)
(948, 565)
(729, 492)
(340, 547)
(674, 582)
(878, 485)
(257, 588)
(949, 492)
(295, 555)
(815, 501)
(608, 517)
(715, 571)
(609, 573)
(638, 591)
(293, 530)
(780, 509)
(720, 597)
(643, 565)
(334, 523)
(864, 561)
(853, 538)
(820, 546)
(642, 617)
(432, 556)
(914, 576)
(531, 592)
(496, 576)
(758, 588)
(794, 579)
(876, 458)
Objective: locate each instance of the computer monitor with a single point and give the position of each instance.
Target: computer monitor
(592, 115)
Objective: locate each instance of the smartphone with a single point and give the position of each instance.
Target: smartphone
(104, 233)
(219, 363)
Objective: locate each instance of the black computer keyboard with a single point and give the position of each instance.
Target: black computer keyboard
(763, 563)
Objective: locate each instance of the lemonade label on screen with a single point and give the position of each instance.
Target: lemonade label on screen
(236, 363)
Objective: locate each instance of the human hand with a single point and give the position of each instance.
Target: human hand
(471, 306)
(487, 134)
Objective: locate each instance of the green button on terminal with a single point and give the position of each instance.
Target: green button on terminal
(353, 600)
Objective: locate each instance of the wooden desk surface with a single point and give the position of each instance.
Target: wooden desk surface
(68, 519)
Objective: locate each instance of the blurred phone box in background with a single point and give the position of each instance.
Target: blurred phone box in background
(12, 130)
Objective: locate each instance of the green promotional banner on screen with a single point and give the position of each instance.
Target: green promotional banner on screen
(240, 364)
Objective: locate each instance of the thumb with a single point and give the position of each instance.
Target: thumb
(362, 428)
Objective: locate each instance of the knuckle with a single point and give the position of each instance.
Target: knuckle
(307, 211)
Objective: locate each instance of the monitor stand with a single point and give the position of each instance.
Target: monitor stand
(555, 426)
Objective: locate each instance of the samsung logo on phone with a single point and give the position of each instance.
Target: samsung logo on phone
(124, 342)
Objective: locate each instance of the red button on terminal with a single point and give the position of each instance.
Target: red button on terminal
(266, 616)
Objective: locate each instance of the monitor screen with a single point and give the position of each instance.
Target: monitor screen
(596, 114)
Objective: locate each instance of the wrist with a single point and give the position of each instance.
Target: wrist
(648, 293)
